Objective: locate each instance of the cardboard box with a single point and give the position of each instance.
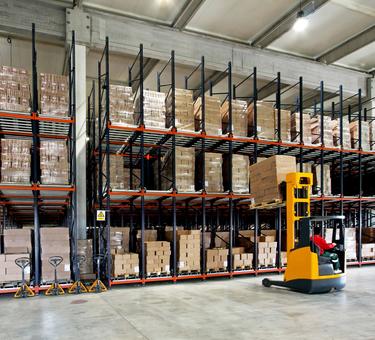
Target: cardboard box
(184, 110)
(125, 264)
(121, 105)
(240, 173)
(328, 126)
(346, 138)
(265, 120)
(153, 109)
(216, 259)
(17, 241)
(266, 177)
(306, 128)
(365, 133)
(239, 117)
(327, 183)
(157, 257)
(213, 172)
(54, 95)
(213, 124)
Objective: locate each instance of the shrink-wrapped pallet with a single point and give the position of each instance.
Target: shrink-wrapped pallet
(184, 110)
(239, 117)
(240, 173)
(328, 126)
(153, 109)
(212, 115)
(54, 95)
(365, 134)
(213, 172)
(346, 137)
(14, 89)
(306, 128)
(265, 120)
(121, 105)
(327, 183)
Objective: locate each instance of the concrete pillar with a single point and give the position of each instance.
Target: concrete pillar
(81, 105)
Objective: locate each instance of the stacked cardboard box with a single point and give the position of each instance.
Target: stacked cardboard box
(368, 250)
(241, 259)
(120, 239)
(84, 247)
(55, 242)
(153, 109)
(188, 249)
(216, 259)
(265, 120)
(285, 125)
(185, 169)
(365, 133)
(17, 241)
(54, 163)
(116, 171)
(368, 235)
(372, 134)
(125, 264)
(327, 189)
(306, 128)
(121, 105)
(213, 172)
(328, 126)
(158, 254)
(212, 115)
(266, 177)
(267, 248)
(149, 235)
(346, 133)
(240, 173)
(184, 111)
(9, 271)
(15, 161)
(350, 241)
(14, 89)
(54, 95)
(239, 117)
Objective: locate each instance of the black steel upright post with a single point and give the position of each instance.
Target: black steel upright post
(230, 167)
(255, 158)
(35, 162)
(360, 184)
(174, 186)
(278, 108)
(341, 113)
(322, 142)
(108, 165)
(142, 151)
(203, 165)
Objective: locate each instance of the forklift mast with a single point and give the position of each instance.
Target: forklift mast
(298, 188)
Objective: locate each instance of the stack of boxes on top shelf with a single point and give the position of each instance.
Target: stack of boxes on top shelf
(17, 243)
(121, 105)
(158, 255)
(55, 242)
(365, 133)
(239, 117)
(368, 244)
(153, 109)
(184, 110)
(124, 263)
(265, 120)
(14, 89)
(346, 138)
(54, 163)
(212, 115)
(54, 95)
(185, 169)
(15, 161)
(328, 126)
(306, 128)
(266, 177)
(188, 249)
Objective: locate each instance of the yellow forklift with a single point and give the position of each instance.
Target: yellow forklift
(307, 270)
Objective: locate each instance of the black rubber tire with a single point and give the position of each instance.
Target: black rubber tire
(266, 283)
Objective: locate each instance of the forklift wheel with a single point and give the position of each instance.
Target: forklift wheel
(266, 283)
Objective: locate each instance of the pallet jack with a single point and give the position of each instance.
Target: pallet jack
(98, 286)
(24, 290)
(78, 287)
(307, 271)
(55, 288)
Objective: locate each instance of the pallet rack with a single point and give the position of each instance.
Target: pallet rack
(37, 203)
(141, 145)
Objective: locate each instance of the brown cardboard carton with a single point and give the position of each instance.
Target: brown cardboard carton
(265, 120)
(121, 105)
(213, 124)
(239, 117)
(184, 110)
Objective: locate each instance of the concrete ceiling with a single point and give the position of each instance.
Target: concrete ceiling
(331, 23)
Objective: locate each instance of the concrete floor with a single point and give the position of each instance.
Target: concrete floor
(217, 309)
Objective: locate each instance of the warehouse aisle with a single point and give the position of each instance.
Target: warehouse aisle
(240, 308)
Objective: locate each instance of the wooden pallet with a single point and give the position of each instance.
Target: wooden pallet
(243, 268)
(125, 277)
(369, 258)
(275, 203)
(187, 272)
(217, 270)
(157, 274)
(11, 284)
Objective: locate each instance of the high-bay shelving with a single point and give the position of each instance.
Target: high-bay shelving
(141, 145)
(34, 203)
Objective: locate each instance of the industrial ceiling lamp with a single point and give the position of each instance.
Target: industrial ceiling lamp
(302, 22)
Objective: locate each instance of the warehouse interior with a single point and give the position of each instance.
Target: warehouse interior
(187, 168)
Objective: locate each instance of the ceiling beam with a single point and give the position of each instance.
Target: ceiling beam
(349, 46)
(284, 24)
(186, 13)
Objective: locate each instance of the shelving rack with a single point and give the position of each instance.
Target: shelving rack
(36, 203)
(140, 146)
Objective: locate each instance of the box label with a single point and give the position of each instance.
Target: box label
(181, 264)
(27, 270)
(167, 268)
(136, 269)
(225, 263)
(100, 215)
(66, 267)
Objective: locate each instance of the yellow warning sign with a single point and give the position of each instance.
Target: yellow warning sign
(100, 215)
